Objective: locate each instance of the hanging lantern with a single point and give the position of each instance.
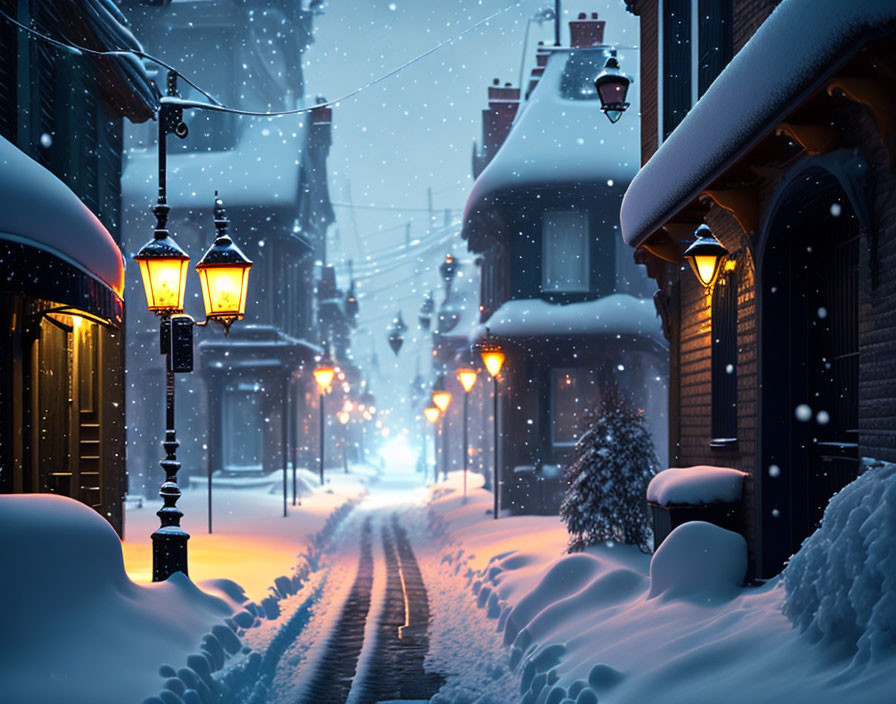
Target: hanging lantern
(706, 255)
(323, 375)
(224, 275)
(426, 310)
(396, 333)
(431, 413)
(612, 88)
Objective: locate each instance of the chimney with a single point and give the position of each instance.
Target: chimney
(586, 32)
(503, 102)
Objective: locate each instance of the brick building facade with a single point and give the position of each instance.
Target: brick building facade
(787, 157)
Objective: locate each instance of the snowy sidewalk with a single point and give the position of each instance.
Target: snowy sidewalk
(613, 625)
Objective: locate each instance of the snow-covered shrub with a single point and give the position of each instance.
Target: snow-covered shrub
(612, 465)
(841, 584)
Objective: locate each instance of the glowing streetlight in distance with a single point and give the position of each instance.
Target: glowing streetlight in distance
(467, 378)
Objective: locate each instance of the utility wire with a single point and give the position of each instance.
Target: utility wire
(394, 208)
(216, 106)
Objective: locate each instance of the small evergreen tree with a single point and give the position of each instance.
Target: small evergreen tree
(613, 462)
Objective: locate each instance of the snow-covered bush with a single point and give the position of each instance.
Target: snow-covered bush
(612, 465)
(841, 584)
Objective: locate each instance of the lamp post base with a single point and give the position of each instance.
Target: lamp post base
(169, 552)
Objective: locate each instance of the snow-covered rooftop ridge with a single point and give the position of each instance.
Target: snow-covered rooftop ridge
(692, 486)
(797, 46)
(39, 210)
(560, 135)
(262, 170)
(617, 314)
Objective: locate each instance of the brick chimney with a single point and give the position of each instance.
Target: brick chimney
(586, 32)
(503, 102)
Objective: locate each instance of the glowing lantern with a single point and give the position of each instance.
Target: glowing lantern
(492, 355)
(706, 255)
(163, 268)
(467, 378)
(224, 275)
(442, 399)
(432, 414)
(323, 375)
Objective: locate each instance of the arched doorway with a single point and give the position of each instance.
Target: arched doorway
(809, 361)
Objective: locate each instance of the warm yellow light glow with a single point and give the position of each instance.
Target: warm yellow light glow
(432, 414)
(442, 399)
(165, 282)
(467, 378)
(493, 358)
(705, 267)
(323, 375)
(224, 290)
(343, 417)
(348, 407)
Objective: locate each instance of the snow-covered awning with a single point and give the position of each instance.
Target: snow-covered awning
(618, 314)
(788, 59)
(39, 211)
(559, 137)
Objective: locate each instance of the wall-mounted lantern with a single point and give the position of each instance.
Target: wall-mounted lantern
(706, 256)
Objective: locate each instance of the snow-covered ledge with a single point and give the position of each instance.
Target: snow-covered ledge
(693, 486)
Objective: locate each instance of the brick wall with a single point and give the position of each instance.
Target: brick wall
(748, 16)
(648, 79)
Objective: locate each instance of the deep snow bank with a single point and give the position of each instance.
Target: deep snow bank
(75, 628)
(841, 585)
(614, 626)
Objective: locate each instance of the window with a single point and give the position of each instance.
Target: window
(675, 51)
(565, 260)
(715, 44)
(724, 362)
(572, 391)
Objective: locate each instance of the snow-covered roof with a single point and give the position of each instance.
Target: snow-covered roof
(617, 314)
(39, 210)
(560, 136)
(787, 59)
(262, 170)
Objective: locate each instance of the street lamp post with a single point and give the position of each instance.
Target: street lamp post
(432, 413)
(323, 375)
(467, 379)
(442, 399)
(493, 357)
(224, 274)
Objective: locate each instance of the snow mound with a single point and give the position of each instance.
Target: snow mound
(841, 585)
(699, 562)
(691, 486)
(78, 629)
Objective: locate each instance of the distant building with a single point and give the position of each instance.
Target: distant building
(557, 292)
(248, 409)
(61, 295)
(785, 369)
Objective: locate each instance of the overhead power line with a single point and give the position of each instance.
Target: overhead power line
(216, 105)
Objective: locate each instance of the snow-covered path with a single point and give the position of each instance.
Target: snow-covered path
(368, 634)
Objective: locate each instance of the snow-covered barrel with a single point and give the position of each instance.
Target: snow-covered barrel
(702, 493)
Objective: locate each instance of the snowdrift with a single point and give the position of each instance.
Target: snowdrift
(614, 626)
(75, 628)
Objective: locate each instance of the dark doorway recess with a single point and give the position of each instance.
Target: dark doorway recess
(809, 361)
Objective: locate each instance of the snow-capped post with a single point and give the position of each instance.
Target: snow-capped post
(224, 274)
(493, 357)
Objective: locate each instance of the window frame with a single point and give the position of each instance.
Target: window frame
(547, 249)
